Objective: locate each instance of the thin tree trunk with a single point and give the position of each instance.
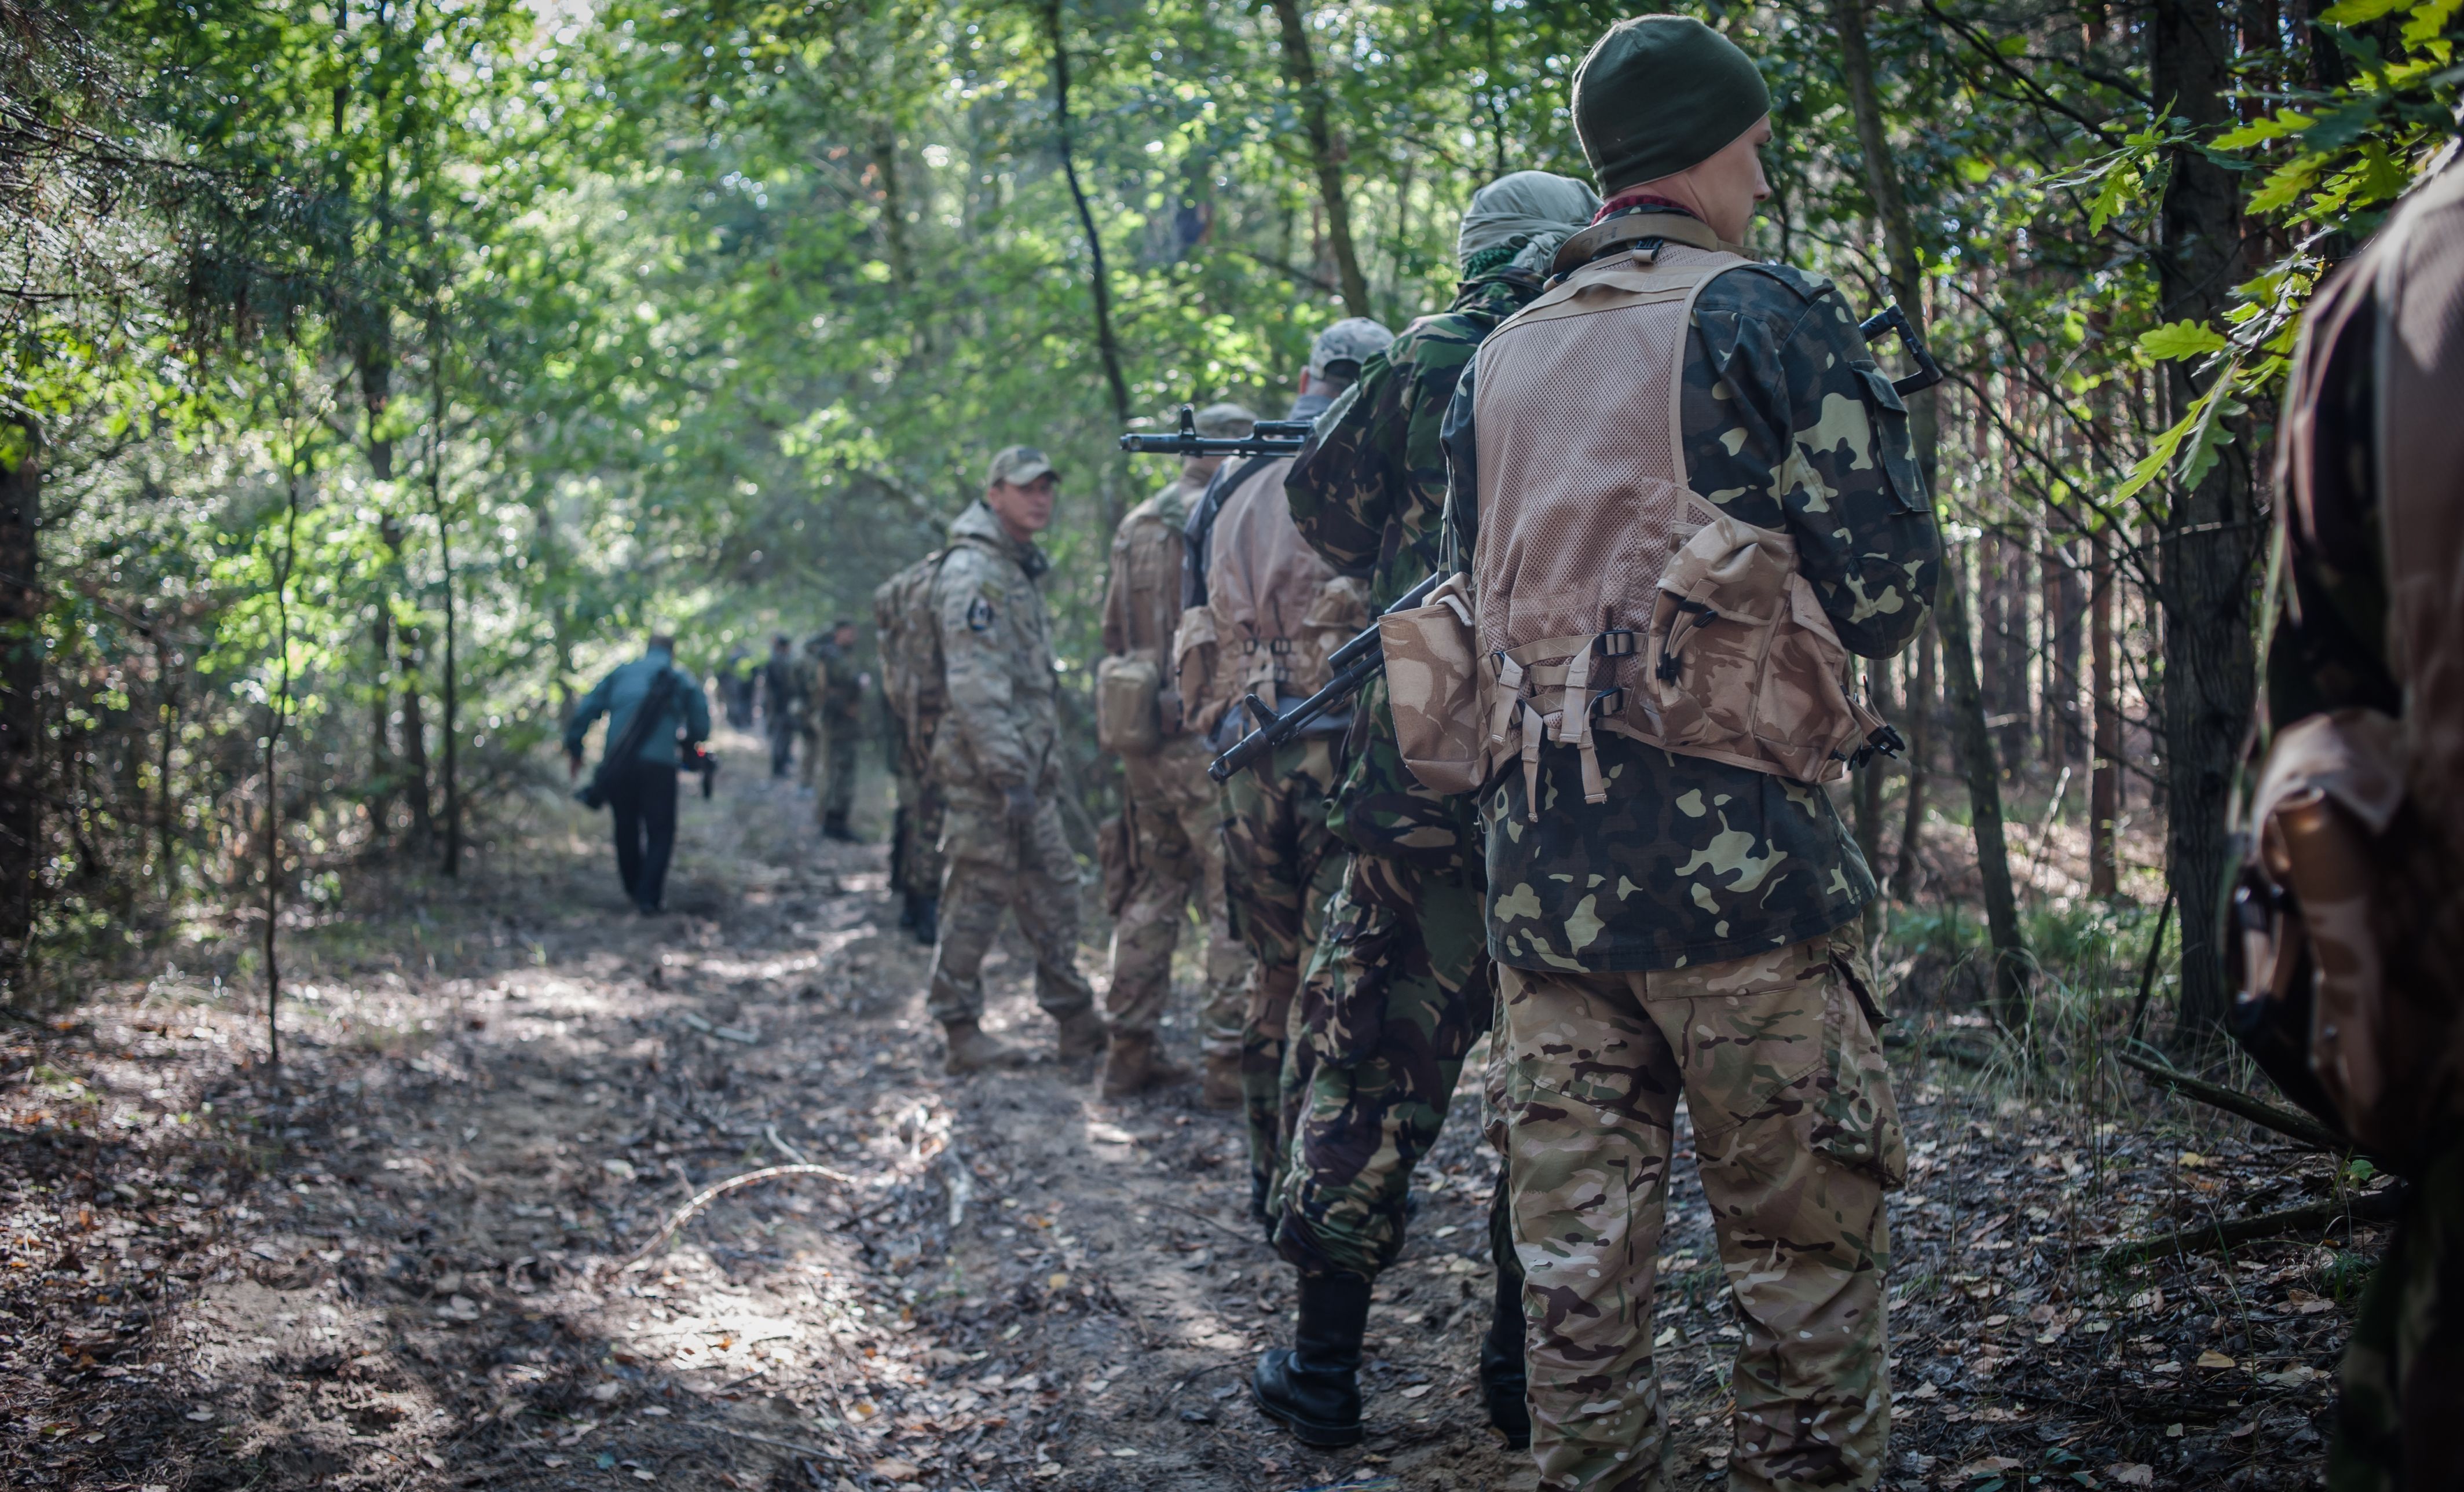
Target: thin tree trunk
(1976, 751)
(1105, 344)
(376, 374)
(414, 659)
(1325, 154)
(167, 797)
(445, 556)
(280, 711)
(2104, 780)
(1921, 709)
(21, 680)
(2209, 534)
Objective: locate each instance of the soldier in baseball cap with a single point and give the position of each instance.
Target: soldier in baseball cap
(1019, 466)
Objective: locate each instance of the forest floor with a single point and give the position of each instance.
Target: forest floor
(401, 1266)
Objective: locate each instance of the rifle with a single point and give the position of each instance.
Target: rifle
(1356, 662)
(1265, 438)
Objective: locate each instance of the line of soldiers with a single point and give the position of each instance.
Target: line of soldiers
(815, 697)
(1634, 913)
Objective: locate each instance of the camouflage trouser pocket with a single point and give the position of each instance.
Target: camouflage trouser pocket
(1343, 1008)
(1855, 1119)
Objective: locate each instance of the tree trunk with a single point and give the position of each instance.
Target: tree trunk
(21, 681)
(2104, 780)
(445, 556)
(1921, 709)
(279, 709)
(2208, 535)
(1325, 154)
(1105, 344)
(1975, 752)
(376, 376)
(413, 656)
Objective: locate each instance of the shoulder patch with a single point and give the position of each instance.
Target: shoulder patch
(980, 615)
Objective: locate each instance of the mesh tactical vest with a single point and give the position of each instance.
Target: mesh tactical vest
(910, 643)
(1274, 609)
(1611, 596)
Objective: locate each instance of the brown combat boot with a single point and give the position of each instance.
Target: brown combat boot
(1135, 1062)
(971, 1050)
(1221, 1091)
(1082, 1034)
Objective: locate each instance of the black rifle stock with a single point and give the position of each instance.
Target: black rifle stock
(1354, 663)
(1891, 318)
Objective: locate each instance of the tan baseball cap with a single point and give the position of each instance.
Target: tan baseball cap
(1224, 422)
(1353, 339)
(1017, 466)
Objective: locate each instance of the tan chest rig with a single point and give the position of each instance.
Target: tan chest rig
(1605, 594)
(1274, 608)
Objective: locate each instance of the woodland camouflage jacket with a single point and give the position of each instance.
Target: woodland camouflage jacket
(1368, 494)
(1691, 861)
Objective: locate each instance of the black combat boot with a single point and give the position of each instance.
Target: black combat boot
(1314, 1385)
(1502, 1380)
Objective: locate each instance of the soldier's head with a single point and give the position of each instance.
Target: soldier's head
(663, 642)
(843, 632)
(1520, 219)
(1020, 487)
(1336, 356)
(1215, 422)
(779, 643)
(1669, 107)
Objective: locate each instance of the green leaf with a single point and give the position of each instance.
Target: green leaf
(2359, 13)
(2175, 342)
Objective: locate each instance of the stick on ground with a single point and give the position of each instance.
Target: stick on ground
(2258, 1111)
(2376, 1207)
(710, 1194)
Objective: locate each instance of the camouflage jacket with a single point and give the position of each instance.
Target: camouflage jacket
(836, 683)
(1002, 720)
(1692, 861)
(1367, 493)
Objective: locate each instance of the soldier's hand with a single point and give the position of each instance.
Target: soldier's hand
(1017, 803)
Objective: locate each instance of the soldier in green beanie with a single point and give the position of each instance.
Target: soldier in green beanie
(1672, 904)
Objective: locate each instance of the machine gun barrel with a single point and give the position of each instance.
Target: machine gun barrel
(1891, 318)
(1265, 438)
(1355, 664)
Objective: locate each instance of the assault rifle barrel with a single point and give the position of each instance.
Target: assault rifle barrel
(1265, 438)
(1355, 664)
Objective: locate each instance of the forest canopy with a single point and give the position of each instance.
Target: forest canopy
(376, 370)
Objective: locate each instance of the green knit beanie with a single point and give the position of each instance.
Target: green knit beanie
(1659, 94)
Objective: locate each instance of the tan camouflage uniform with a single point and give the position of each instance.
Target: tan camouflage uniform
(999, 729)
(1681, 935)
(1173, 810)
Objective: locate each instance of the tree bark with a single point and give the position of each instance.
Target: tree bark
(2206, 538)
(1975, 750)
(1325, 154)
(1921, 706)
(1106, 345)
(445, 558)
(21, 680)
(2104, 780)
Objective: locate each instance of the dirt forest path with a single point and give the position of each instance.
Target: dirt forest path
(400, 1271)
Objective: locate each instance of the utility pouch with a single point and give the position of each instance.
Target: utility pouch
(1128, 705)
(1433, 685)
(1743, 665)
(2347, 912)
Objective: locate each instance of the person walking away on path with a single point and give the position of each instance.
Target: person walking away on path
(2351, 906)
(1401, 986)
(642, 789)
(1172, 812)
(912, 705)
(838, 705)
(736, 687)
(1260, 612)
(781, 704)
(1672, 899)
(808, 713)
(996, 757)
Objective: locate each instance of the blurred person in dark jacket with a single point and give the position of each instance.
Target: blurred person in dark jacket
(641, 786)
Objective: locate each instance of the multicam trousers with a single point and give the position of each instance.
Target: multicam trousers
(1397, 992)
(992, 865)
(1280, 866)
(2404, 1369)
(1175, 822)
(1797, 1138)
